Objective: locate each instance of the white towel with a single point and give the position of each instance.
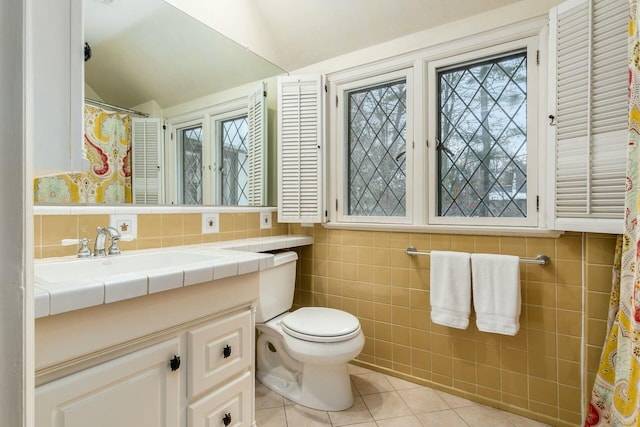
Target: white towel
(496, 292)
(450, 289)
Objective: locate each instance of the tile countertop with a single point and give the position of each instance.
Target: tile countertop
(228, 258)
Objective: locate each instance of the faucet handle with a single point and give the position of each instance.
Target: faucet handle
(114, 249)
(84, 251)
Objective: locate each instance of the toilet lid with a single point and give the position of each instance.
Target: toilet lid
(321, 324)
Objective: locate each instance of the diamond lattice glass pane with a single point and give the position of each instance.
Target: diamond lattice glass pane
(376, 150)
(482, 128)
(192, 166)
(234, 161)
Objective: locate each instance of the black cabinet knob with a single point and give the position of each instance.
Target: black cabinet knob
(227, 419)
(226, 352)
(174, 363)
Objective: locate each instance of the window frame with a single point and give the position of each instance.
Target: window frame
(206, 118)
(533, 35)
(216, 126)
(533, 133)
(341, 157)
(175, 160)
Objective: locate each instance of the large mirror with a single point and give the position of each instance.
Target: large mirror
(149, 56)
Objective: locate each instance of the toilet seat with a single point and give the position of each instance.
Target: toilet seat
(319, 324)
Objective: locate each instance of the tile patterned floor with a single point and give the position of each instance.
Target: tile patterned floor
(385, 401)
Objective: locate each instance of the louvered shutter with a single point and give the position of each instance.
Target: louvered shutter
(147, 180)
(300, 149)
(591, 111)
(256, 137)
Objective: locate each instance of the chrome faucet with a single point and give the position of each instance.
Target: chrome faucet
(99, 246)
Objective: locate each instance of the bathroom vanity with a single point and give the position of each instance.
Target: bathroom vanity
(176, 357)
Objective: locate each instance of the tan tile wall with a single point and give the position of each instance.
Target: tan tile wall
(154, 230)
(537, 373)
(599, 257)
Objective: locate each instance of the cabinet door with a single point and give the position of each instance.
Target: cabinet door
(218, 351)
(138, 389)
(58, 85)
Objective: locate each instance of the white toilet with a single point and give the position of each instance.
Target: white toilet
(303, 355)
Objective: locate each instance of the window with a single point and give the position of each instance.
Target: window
(190, 146)
(377, 147)
(483, 123)
(234, 161)
(482, 138)
(434, 139)
(373, 148)
(213, 164)
(219, 153)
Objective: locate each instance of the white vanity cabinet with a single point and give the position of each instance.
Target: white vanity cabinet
(138, 389)
(111, 365)
(219, 376)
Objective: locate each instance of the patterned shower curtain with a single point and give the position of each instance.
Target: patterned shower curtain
(614, 399)
(107, 147)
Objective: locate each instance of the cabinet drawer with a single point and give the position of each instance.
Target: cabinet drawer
(229, 405)
(218, 351)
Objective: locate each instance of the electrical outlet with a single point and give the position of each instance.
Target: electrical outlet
(210, 223)
(127, 225)
(265, 219)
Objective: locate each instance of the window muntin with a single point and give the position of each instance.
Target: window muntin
(234, 161)
(376, 150)
(482, 138)
(190, 142)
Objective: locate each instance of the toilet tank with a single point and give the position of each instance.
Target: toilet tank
(276, 287)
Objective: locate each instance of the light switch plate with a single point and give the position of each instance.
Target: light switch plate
(265, 219)
(127, 225)
(210, 223)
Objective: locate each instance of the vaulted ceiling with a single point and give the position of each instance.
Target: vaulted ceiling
(310, 31)
(147, 49)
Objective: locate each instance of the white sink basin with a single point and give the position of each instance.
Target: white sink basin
(93, 268)
(67, 284)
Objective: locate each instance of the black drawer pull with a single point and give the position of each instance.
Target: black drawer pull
(226, 352)
(227, 419)
(174, 363)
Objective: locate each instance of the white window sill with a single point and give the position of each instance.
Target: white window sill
(479, 230)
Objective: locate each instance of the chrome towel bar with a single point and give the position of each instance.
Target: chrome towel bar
(541, 259)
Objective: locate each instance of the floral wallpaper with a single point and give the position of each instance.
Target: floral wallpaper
(107, 148)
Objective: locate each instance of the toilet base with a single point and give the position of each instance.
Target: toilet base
(313, 374)
(326, 388)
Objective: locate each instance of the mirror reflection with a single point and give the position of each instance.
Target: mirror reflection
(148, 61)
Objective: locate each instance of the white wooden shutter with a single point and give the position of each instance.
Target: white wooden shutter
(300, 149)
(256, 141)
(591, 114)
(147, 180)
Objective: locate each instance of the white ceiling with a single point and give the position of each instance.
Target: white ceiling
(310, 31)
(146, 49)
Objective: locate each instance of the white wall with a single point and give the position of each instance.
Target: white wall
(16, 298)
(90, 93)
(237, 20)
(152, 108)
